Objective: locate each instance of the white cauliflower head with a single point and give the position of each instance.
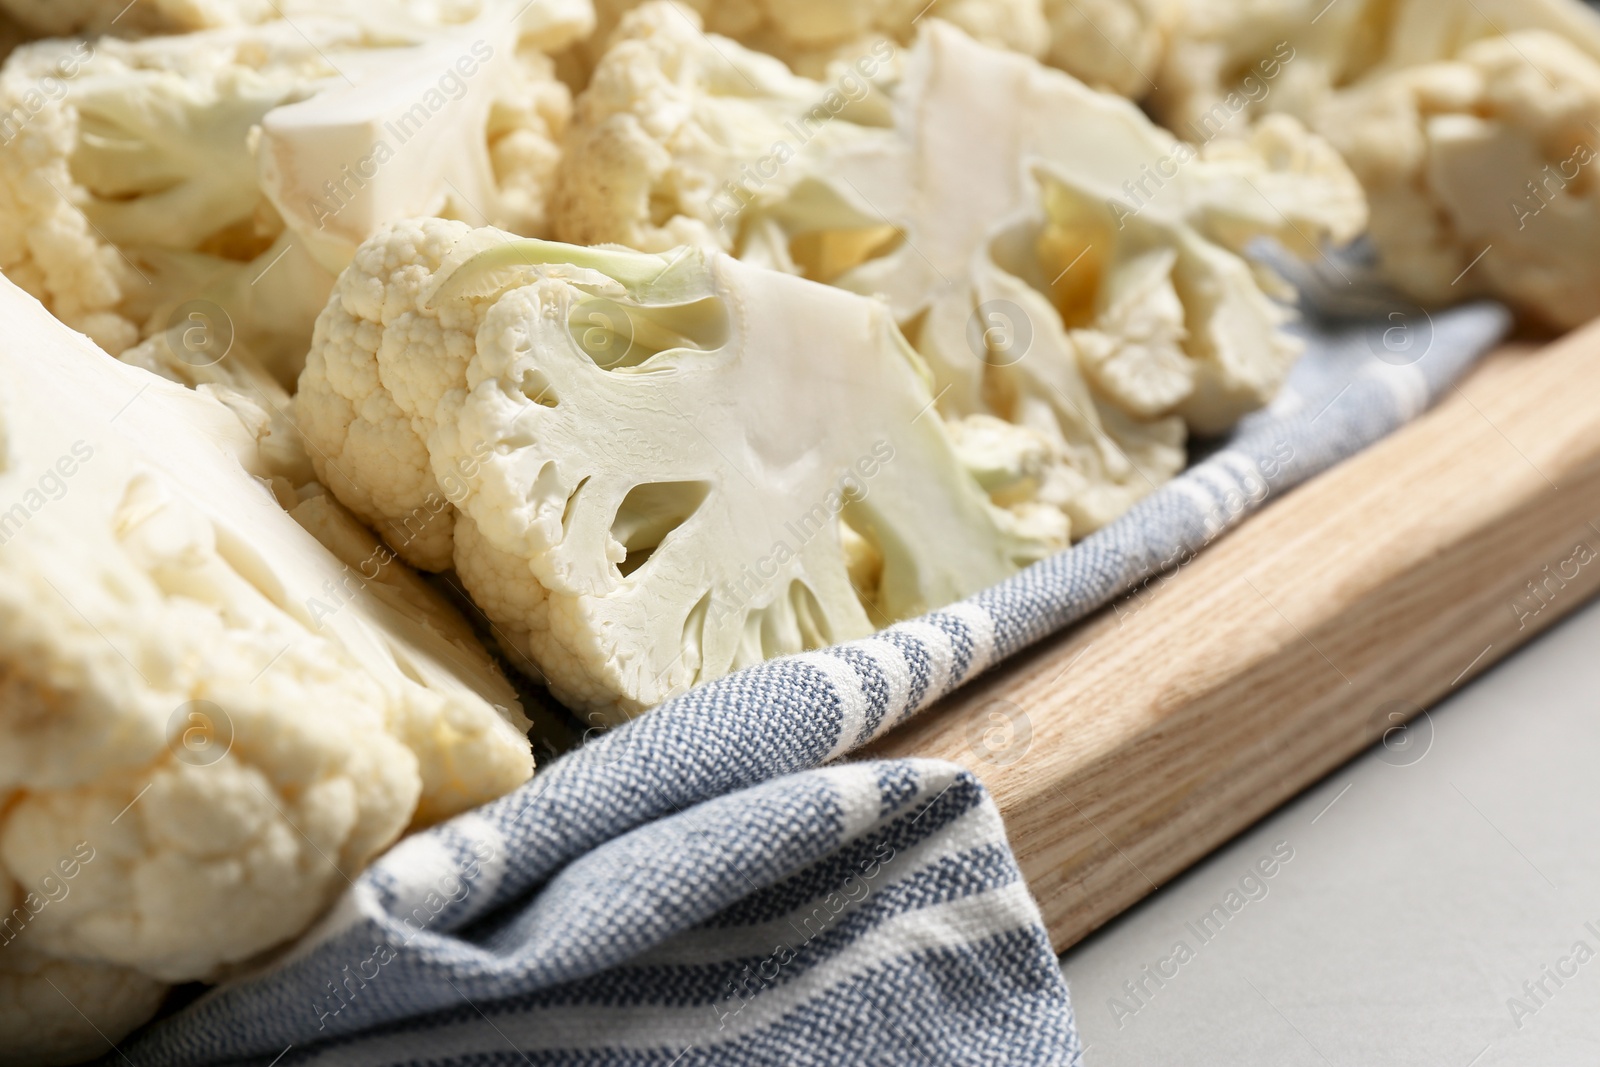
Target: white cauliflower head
(230, 717)
(1481, 172)
(130, 185)
(659, 467)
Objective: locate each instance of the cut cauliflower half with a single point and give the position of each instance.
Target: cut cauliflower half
(1079, 274)
(650, 460)
(131, 186)
(234, 717)
(1481, 172)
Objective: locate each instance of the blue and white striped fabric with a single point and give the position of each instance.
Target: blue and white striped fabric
(693, 889)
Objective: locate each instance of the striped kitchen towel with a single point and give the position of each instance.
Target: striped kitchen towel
(697, 887)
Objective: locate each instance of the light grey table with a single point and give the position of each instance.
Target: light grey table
(1441, 906)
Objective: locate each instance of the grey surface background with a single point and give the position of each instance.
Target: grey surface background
(1431, 879)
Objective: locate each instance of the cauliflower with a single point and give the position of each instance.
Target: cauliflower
(130, 186)
(547, 24)
(1110, 44)
(645, 465)
(210, 719)
(667, 138)
(1229, 61)
(1131, 233)
(1080, 276)
(59, 18)
(810, 36)
(1101, 248)
(41, 1024)
(1114, 45)
(1481, 173)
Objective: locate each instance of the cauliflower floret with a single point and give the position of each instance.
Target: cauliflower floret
(1111, 44)
(1114, 45)
(240, 166)
(645, 460)
(230, 717)
(677, 129)
(1080, 277)
(548, 24)
(1486, 162)
(1229, 61)
(59, 18)
(810, 36)
(40, 1001)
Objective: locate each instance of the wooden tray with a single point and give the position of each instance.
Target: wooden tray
(1127, 748)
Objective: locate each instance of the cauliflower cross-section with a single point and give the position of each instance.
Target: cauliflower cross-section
(660, 467)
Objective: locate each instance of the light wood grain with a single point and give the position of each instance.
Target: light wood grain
(1167, 724)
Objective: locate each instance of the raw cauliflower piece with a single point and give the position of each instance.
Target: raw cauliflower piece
(131, 187)
(1160, 314)
(60, 18)
(810, 36)
(1111, 44)
(1080, 275)
(678, 128)
(233, 718)
(643, 462)
(40, 998)
(1484, 162)
(548, 24)
(1229, 61)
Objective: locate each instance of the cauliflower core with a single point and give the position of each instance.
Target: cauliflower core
(214, 719)
(130, 185)
(650, 469)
